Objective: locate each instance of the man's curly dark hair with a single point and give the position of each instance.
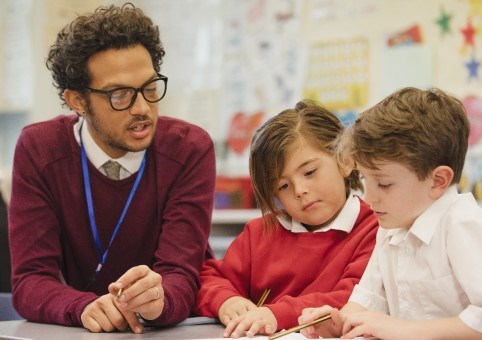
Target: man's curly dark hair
(107, 27)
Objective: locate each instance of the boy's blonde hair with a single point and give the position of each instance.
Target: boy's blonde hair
(419, 129)
(271, 142)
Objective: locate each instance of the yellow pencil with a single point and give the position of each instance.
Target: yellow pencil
(119, 293)
(299, 327)
(263, 297)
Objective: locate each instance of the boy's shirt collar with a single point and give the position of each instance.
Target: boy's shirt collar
(345, 221)
(425, 225)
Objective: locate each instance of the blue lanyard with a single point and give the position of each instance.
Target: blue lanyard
(90, 206)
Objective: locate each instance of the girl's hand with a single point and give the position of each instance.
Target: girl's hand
(259, 320)
(234, 307)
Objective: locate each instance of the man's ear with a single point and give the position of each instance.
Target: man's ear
(441, 179)
(75, 100)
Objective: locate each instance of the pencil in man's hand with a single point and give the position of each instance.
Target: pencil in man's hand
(299, 327)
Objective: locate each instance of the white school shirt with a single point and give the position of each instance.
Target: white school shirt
(130, 162)
(432, 270)
(344, 221)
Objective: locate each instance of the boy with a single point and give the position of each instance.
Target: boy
(422, 279)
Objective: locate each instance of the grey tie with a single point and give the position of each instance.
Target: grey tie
(112, 169)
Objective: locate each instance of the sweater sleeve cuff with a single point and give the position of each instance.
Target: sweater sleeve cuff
(285, 314)
(79, 307)
(219, 298)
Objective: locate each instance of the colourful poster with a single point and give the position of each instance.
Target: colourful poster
(337, 74)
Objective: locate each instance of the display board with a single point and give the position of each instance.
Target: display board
(233, 64)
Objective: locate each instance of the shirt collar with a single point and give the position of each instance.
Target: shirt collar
(344, 221)
(427, 223)
(131, 161)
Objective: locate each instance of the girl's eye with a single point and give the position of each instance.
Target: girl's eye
(283, 186)
(383, 186)
(310, 172)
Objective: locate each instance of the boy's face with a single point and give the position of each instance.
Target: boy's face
(118, 132)
(395, 194)
(311, 188)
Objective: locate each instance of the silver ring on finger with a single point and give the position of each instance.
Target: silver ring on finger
(158, 294)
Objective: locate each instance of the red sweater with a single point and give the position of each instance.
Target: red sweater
(166, 227)
(301, 269)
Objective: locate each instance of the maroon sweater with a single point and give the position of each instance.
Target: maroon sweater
(166, 227)
(301, 269)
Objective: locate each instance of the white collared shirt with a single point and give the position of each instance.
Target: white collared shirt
(344, 221)
(130, 162)
(432, 270)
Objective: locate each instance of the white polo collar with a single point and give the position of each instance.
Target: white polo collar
(345, 221)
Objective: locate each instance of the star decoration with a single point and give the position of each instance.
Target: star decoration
(444, 22)
(472, 67)
(469, 33)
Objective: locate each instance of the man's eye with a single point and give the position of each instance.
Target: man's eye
(120, 94)
(150, 89)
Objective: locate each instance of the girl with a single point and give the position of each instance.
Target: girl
(314, 239)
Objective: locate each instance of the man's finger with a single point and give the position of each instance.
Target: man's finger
(134, 324)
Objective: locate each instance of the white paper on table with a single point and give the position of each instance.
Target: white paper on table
(291, 336)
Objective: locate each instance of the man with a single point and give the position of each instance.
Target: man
(98, 251)
(4, 248)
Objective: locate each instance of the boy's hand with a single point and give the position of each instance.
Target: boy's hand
(259, 320)
(234, 307)
(369, 323)
(331, 328)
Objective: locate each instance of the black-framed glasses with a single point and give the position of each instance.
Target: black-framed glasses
(123, 98)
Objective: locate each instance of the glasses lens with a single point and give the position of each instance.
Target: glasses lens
(121, 98)
(154, 91)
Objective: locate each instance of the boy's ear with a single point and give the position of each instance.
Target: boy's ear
(441, 179)
(75, 100)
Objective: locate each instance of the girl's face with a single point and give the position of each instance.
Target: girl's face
(311, 188)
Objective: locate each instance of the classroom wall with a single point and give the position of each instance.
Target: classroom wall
(232, 64)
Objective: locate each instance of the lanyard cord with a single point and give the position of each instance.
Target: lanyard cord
(90, 205)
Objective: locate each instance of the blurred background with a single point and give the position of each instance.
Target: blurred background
(232, 64)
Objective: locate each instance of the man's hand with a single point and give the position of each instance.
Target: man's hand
(142, 292)
(104, 315)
